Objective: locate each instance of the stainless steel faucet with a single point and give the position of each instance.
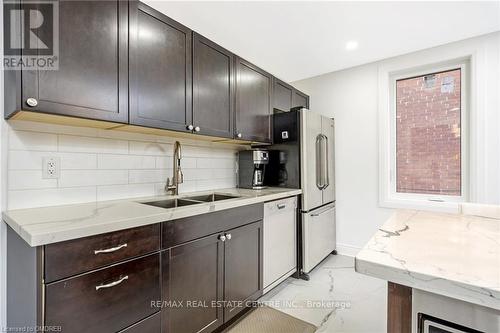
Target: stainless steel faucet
(177, 177)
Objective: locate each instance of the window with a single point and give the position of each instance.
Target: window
(428, 134)
(427, 146)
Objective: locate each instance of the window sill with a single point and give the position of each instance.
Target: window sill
(398, 203)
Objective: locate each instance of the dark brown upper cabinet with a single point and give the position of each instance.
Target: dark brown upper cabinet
(92, 79)
(213, 88)
(160, 70)
(300, 99)
(283, 94)
(253, 102)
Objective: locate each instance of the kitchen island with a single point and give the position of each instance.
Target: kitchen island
(452, 255)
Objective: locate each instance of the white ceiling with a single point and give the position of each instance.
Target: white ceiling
(296, 40)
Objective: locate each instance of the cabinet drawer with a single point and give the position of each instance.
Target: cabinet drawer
(149, 325)
(106, 300)
(179, 231)
(72, 257)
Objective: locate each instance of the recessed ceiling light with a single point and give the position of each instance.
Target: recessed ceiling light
(351, 45)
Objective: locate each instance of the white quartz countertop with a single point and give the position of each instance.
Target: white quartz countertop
(41, 226)
(449, 254)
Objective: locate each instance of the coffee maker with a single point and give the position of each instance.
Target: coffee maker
(252, 168)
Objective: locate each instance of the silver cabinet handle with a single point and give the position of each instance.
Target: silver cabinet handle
(197, 129)
(239, 135)
(111, 249)
(32, 102)
(228, 236)
(190, 127)
(112, 284)
(281, 206)
(222, 238)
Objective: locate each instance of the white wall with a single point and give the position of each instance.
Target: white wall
(98, 165)
(351, 97)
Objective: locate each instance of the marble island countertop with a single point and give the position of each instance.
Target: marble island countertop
(453, 255)
(45, 225)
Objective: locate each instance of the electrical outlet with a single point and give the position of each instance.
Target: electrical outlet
(51, 167)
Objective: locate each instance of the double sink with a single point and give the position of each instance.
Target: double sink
(187, 201)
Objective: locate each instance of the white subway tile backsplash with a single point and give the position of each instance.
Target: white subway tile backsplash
(109, 161)
(224, 163)
(32, 160)
(115, 192)
(150, 148)
(149, 176)
(23, 140)
(185, 187)
(29, 179)
(24, 160)
(99, 165)
(166, 162)
(50, 197)
(77, 161)
(223, 173)
(73, 178)
(69, 143)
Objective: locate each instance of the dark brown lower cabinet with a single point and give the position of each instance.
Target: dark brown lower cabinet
(106, 300)
(192, 286)
(149, 325)
(208, 270)
(242, 268)
(208, 281)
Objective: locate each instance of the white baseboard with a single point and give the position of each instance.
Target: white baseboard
(347, 250)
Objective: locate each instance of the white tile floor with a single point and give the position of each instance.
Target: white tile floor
(342, 300)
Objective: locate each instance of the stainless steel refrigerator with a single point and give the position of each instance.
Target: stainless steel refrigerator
(303, 156)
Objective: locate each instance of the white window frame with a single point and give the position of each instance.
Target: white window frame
(389, 197)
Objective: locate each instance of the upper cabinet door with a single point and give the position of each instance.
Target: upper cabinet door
(160, 70)
(253, 102)
(300, 99)
(282, 95)
(92, 79)
(213, 88)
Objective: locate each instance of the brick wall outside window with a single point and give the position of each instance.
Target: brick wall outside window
(428, 140)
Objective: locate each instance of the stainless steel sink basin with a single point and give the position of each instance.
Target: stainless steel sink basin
(211, 197)
(171, 203)
(187, 201)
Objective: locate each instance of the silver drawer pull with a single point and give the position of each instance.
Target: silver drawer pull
(281, 206)
(111, 249)
(112, 284)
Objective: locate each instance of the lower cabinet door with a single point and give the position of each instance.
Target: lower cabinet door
(242, 268)
(192, 286)
(106, 300)
(149, 325)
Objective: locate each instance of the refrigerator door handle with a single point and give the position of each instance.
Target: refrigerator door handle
(319, 162)
(323, 211)
(326, 180)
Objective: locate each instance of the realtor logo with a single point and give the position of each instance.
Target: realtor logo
(31, 35)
